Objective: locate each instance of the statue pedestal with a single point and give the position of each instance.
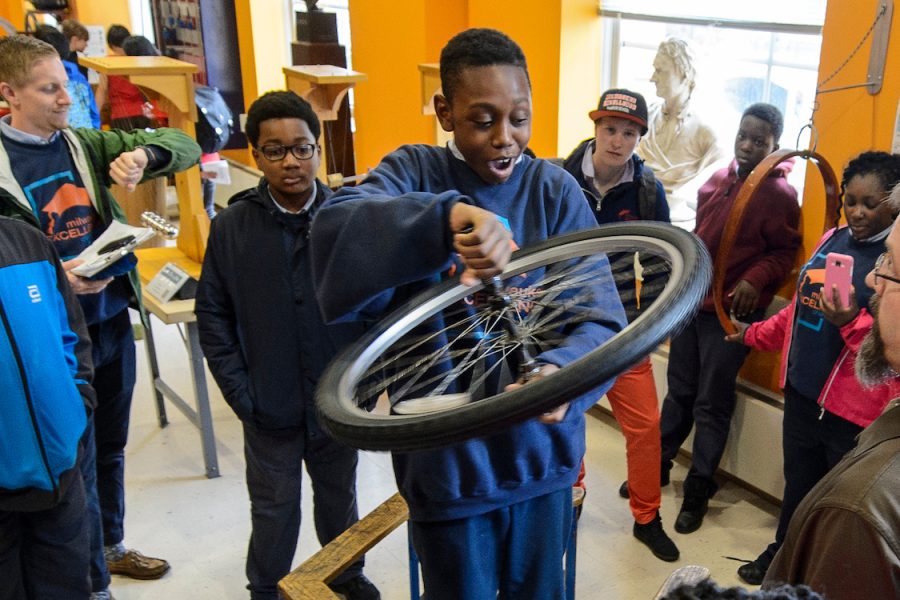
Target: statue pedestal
(338, 136)
(170, 82)
(430, 84)
(324, 87)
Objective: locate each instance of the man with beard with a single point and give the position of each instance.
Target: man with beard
(844, 538)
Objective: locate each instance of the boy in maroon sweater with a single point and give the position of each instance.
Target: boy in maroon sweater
(703, 367)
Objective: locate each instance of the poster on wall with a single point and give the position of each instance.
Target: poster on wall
(96, 47)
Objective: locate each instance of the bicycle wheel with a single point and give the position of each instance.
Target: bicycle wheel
(433, 367)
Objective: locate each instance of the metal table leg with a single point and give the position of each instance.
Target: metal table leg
(154, 373)
(198, 373)
(201, 416)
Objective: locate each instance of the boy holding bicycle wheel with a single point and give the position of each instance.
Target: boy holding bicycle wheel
(492, 514)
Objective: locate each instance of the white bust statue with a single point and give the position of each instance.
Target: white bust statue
(678, 146)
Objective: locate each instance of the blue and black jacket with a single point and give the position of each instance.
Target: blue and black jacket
(45, 372)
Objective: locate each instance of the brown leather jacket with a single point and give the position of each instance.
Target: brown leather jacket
(844, 538)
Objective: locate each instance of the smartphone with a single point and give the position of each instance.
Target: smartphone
(116, 244)
(838, 272)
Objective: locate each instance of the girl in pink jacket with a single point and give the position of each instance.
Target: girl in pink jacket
(825, 406)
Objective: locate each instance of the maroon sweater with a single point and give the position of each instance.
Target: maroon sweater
(764, 251)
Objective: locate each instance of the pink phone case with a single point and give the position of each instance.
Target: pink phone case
(839, 272)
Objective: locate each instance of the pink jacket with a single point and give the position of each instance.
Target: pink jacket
(842, 394)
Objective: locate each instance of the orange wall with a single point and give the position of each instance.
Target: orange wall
(104, 13)
(535, 25)
(850, 121)
(391, 39)
(580, 55)
(87, 11)
(14, 11)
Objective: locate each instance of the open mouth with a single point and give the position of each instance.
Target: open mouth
(500, 164)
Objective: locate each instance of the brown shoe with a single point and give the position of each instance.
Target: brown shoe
(137, 566)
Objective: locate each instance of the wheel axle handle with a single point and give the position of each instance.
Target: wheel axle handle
(500, 301)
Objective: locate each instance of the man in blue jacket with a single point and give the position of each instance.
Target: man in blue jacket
(57, 179)
(266, 344)
(45, 370)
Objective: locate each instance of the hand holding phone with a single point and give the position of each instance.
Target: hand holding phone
(116, 244)
(838, 272)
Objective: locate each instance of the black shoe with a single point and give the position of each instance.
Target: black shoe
(754, 571)
(358, 588)
(663, 482)
(660, 544)
(690, 517)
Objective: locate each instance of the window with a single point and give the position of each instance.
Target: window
(738, 62)
(341, 8)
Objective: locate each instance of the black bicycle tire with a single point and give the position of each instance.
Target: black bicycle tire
(672, 309)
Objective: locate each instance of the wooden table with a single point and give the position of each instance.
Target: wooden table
(150, 261)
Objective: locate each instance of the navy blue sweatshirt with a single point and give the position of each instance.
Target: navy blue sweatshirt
(378, 243)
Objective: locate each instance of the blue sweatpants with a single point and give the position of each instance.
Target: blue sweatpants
(516, 551)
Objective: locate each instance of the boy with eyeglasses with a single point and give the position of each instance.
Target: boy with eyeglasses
(266, 344)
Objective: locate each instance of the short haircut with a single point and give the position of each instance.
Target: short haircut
(72, 28)
(18, 54)
(138, 45)
(768, 113)
(682, 57)
(883, 165)
(477, 48)
(54, 37)
(115, 35)
(279, 105)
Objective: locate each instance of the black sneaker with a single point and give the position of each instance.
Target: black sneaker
(358, 588)
(754, 571)
(690, 517)
(655, 538)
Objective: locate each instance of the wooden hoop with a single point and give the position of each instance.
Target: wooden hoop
(736, 216)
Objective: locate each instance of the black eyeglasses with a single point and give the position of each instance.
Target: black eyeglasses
(275, 152)
(884, 261)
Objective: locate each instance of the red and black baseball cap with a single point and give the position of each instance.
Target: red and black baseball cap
(624, 104)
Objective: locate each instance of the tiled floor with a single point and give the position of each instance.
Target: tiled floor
(201, 525)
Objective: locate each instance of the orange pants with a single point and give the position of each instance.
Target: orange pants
(636, 408)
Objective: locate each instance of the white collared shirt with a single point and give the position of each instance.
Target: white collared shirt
(17, 135)
(312, 198)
